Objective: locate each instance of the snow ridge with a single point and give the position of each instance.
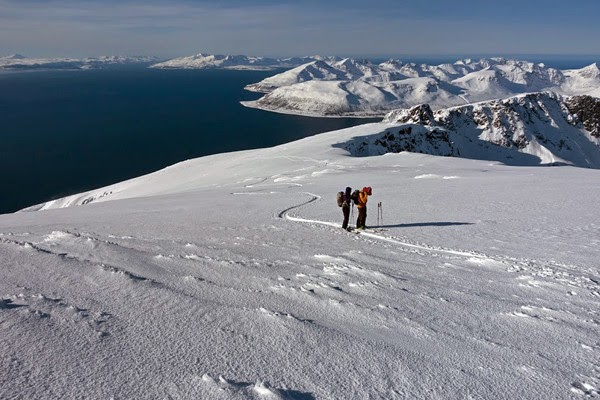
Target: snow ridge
(544, 128)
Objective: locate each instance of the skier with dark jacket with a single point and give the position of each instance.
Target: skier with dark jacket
(346, 204)
(361, 204)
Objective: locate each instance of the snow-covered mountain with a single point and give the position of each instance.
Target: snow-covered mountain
(528, 129)
(359, 88)
(358, 98)
(13, 57)
(584, 80)
(18, 62)
(320, 69)
(229, 277)
(236, 62)
(314, 70)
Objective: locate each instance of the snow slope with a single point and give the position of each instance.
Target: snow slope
(228, 277)
(17, 62)
(408, 84)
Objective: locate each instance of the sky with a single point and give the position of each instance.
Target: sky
(80, 28)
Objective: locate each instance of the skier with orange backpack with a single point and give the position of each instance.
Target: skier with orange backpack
(361, 203)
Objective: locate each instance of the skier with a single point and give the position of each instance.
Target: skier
(361, 204)
(346, 203)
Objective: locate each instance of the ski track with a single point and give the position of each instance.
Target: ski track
(529, 269)
(532, 275)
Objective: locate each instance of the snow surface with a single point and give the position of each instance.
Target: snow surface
(395, 84)
(229, 277)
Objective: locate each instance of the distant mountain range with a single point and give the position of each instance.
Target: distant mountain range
(531, 129)
(238, 62)
(17, 62)
(352, 87)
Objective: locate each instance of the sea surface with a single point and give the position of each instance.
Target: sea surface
(64, 132)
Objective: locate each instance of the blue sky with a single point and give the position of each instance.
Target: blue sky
(38, 28)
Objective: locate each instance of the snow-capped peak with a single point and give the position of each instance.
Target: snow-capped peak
(592, 71)
(402, 85)
(13, 57)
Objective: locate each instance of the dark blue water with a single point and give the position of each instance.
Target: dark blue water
(66, 132)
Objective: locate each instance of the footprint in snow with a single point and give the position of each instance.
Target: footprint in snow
(287, 316)
(126, 237)
(121, 272)
(56, 310)
(585, 389)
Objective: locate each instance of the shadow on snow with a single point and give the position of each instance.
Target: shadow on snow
(415, 224)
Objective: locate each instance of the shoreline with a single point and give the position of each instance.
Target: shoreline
(253, 104)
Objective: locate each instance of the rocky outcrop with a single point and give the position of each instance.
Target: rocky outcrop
(421, 114)
(410, 137)
(530, 129)
(585, 111)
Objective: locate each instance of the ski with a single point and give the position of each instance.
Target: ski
(367, 230)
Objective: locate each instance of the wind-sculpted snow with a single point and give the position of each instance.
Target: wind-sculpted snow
(405, 85)
(229, 277)
(244, 286)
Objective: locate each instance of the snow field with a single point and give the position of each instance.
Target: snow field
(229, 277)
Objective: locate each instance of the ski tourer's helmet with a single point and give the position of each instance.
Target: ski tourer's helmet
(368, 190)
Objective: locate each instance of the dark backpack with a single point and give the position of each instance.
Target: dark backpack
(340, 198)
(354, 196)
